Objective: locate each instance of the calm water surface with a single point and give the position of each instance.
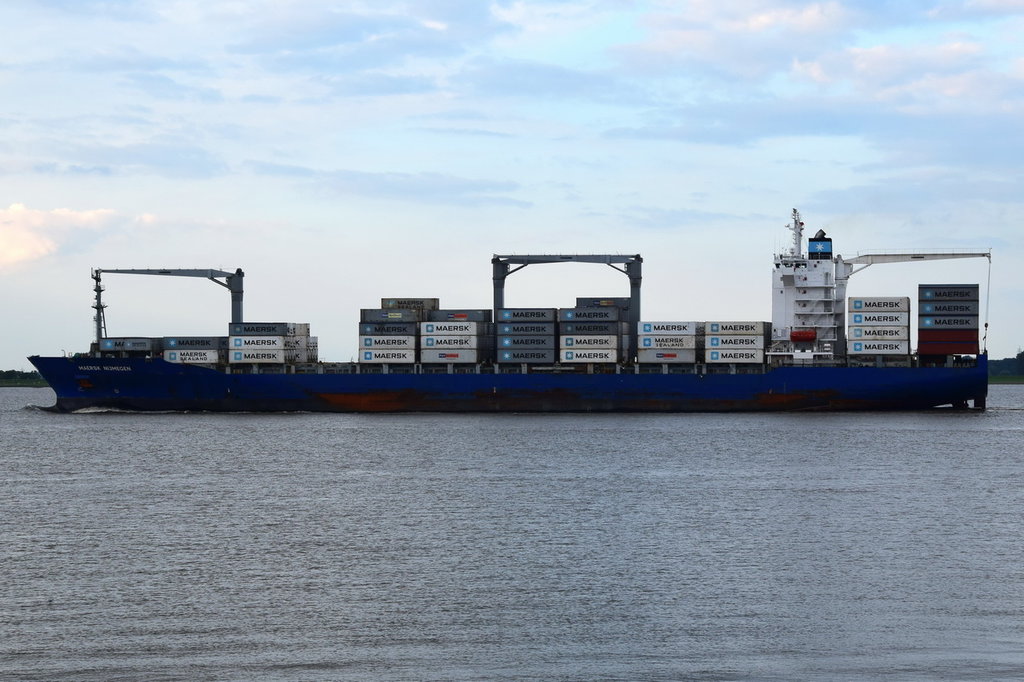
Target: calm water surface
(516, 547)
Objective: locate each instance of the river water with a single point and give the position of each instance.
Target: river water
(515, 547)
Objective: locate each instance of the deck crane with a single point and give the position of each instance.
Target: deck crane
(232, 282)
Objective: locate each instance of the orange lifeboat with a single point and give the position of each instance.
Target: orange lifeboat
(803, 336)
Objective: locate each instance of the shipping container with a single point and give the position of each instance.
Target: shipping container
(478, 315)
(872, 347)
(880, 319)
(193, 357)
(602, 302)
(948, 348)
(606, 341)
(590, 328)
(379, 356)
(195, 342)
(948, 322)
(301, 342)
(737, 328)
(947, 292)
(467, 342)
(450, 356)
(670, 356)
(880, 304)
(125, 343)
(740, 342)
(659, 341)
(730, 355)
(880, 333)
(527, 315)
(589, 355)
(526, 328)
(388, 329)
(396, 342)
(607, 314)
(948, 308)
(954, 335)
(390, 315)
(257, 356)
(425, 304)
(539, 342)
(458, 328)
(256, 342)
(268, 329)
(670, 328)
(527, 356)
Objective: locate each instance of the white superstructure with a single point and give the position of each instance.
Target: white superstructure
(808, 295)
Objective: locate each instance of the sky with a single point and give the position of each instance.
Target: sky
(343, 151)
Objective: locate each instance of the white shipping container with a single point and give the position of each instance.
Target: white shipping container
(256, 355)
(726, 355)
(879, 333)
(457, 328)
(880, 319)
(878, 348)
(589, 355)
(660, 341)
(449, 356)
(256, 342)
(666, 355)
(670, 328)
(407, 357)
(605, 341)
(303, 355)
(385, 342)
(880, 304)
(736, 328)
(741, 342)
(300, 342)
(203, 357)
(466, 342)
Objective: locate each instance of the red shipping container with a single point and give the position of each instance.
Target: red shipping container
(941, 348)
(948, 335)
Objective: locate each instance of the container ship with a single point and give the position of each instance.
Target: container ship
(820, 351)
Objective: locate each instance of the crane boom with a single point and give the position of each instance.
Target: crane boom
(867, 259)
(232, 282)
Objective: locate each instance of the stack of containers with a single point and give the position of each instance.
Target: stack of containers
(195, 350)
(456, 336)
(948, 316)
(589, 334)
(624, 328)
(735, 342)
(388, 335)
(526, 335)
(270, 343)
(878, 325)
(668, 342)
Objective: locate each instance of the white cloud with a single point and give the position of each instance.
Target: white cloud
(28, 234)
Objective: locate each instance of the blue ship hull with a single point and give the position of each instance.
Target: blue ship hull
(145, 384)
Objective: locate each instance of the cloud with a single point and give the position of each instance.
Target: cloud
(30, 234)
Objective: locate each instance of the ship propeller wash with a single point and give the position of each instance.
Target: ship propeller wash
(820, 351)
